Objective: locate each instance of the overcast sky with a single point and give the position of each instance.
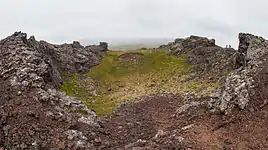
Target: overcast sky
(66, 20)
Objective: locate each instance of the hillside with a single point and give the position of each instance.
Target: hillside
(190, 94)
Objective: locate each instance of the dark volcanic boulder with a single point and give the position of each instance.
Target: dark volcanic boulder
(72, 58)
(213, 60)
(75, 58)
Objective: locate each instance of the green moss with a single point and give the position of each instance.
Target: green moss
(103, 108)
(70, 86)
(116, 81)
(197, 85)
(84, 112)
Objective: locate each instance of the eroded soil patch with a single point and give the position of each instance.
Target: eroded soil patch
(137, 124)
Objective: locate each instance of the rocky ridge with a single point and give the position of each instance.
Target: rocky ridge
(34, 113)
(204, 55)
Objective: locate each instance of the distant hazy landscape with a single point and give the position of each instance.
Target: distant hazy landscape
(128, 43)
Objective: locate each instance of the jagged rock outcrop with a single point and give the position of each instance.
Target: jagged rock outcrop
(212, 60)
(205, 56)
(75, 58)
(181, 46)
(33, 113)
(239, 87)
(72, 58)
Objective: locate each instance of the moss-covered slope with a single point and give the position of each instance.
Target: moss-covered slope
(125, 76)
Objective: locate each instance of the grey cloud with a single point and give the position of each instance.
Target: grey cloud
(66, 20)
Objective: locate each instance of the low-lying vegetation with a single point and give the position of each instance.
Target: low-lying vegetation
(125, 76)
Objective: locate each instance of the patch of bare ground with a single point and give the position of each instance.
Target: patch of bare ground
(130, 57)
(152, 124)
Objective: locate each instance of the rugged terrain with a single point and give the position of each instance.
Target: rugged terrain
(189, 94)
(34, 113)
